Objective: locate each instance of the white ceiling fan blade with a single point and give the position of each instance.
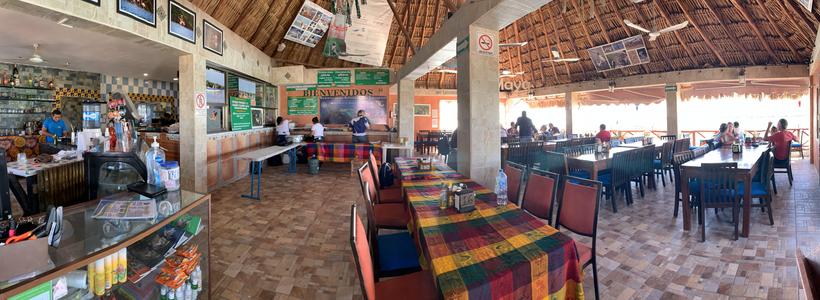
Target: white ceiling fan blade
(569, 59)
(674, 27)
(636, 26)
(520, 44)
(653, 36)
(447, 71)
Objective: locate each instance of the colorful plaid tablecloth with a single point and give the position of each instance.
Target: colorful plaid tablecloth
(408, 170)
(341, 152)
(492, 252)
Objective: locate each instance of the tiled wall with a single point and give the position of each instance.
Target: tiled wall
(223, 167)
(112, 84)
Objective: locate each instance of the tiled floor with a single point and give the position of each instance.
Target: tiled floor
(294, 243)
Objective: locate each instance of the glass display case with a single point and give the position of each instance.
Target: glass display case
(20, 105)
(176, 240)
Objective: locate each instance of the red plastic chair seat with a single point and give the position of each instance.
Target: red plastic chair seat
(391, 195)
(391, 215)
(584, 253)
(417, 285)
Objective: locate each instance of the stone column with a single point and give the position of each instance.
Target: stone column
(479, 141)
(193, 134)
(672, 96)
(407, 93)
(568, 108)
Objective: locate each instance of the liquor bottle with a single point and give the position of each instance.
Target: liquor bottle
(15, 75)
(35, 82)
(5, 79)
(42, 82)
(51, 83)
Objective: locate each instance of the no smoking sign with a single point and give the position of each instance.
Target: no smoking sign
(199, 101)
(485, 44)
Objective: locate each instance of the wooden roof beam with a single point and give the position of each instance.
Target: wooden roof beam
(414, 26)
(665, 16)
(549, 47)
(451, 6)
(435, 27)
(729, 33)
(780, 34)
(573, 44)
(600, 24)
(518, 49)
(401, 26)
(812, 22)
(663, 55)
(536, 49)
(623, 26)
(546, 39)
(756, 30)
(700, 31)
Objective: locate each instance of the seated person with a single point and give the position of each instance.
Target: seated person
(317, 130)
(781, 141)
(603, 135)
(513, 131)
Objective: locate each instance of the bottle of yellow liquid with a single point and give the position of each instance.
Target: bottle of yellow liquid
(109, 271)
(99, 277)
(122, 265)
(90, 272)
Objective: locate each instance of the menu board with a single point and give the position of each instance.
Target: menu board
(333, 78)
(303, 105)
(372, 77)
(310, 25)
(240, 114)
(627, 52)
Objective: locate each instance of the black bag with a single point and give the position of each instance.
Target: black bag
(443, 146)
(386, 175)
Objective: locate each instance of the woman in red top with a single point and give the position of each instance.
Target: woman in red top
(604, 136)
(781, 140)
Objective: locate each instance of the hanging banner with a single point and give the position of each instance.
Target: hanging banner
(307, 103)
(360, 39)
(372, 77)
(333, 78)
(240, 114)
(627, 52)
(310, 25)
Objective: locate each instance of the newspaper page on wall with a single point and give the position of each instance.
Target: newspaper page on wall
(309, 25)
(360, 40)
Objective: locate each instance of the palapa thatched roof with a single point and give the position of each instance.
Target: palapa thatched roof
(720, 33)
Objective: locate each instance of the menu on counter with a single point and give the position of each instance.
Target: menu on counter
(240, 114)
(114, 209)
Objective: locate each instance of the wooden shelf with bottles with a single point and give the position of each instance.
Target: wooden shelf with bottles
(26, 88)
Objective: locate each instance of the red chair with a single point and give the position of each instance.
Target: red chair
(418, 285)
(515, 173)
(386, 195)
(578, 212)
(539, 194)
(386, 215)
(809, 276)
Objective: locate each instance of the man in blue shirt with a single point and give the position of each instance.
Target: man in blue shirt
(54, 127)
(360, 125)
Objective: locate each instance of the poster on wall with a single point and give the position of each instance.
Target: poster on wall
(181, 23)
(310, 25)
(211, 37)
(342, 109)
(240, 114)
(333, 78)
(627, 52)
(307, 104)
(144, 11)
(360, 40)
(372, 77)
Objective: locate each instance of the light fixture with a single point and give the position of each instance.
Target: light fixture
(63, 23)
(506, 72)
(144, 74)
(176, 79)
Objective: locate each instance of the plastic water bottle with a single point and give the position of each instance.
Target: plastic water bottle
(501, 188)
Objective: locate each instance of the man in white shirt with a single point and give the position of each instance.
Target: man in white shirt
(282, 131)
(317, 130)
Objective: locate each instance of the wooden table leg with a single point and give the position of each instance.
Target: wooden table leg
(747, 204)
(593, 173)
(687, 212)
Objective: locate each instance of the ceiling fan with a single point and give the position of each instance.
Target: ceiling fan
(519, 44)
(35, 58)
(653, 35)
(556, 57)
(446, 71)
(507, 74)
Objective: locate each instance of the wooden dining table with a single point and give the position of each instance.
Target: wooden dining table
(748, 162)
(492, 252)
(594, 162)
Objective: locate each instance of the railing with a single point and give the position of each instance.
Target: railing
(699, 137)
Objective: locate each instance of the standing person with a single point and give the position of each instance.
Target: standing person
(512, 132)
(525, 127)
(54, 127)
(781, 140)
(282, 131)
(603, 135)
(360, 124)
(317, 130)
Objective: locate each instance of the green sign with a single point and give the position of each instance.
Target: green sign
(240, 114)
(307, 103)
(42, 291)
(373, 77)
(334, 78)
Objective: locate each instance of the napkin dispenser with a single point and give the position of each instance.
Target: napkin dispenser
(464, 200)
(425, 164)
(737, 148)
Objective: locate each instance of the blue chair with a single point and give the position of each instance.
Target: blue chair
(718, 188)
(762, 189)
(618, 179)
(395, 253)
(678, 160)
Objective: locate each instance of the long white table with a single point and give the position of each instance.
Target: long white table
(256, 158)
(396, 146)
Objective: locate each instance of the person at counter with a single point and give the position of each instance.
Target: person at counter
(282, 131)
(54, 127)
(360, 124)
(317, 130)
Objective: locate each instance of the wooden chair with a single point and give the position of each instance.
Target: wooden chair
(677, 160)
(718, 186)
(395, 252)
(539, 194)
(618, 179)
(668, 138)
(551, 162)
(385, 215)
(663, 165)
(418, 285)
(516, 153)
(798, 146)
(578, 212)
(391, 194)
(783, 167)
(515, 176)
(761, 187)
(809, 276)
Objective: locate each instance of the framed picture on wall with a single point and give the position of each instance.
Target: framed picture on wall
(257, 117)
(211, 37)
(181, 21)
(95, 2)
(144, 11)
(421, 110)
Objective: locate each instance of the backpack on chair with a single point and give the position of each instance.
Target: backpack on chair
(386, 175)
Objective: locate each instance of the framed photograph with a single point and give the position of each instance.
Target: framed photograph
(211, 37)
(421, 110)
(181, 22)
(144, 11)
(95, 2)
(257, 117)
